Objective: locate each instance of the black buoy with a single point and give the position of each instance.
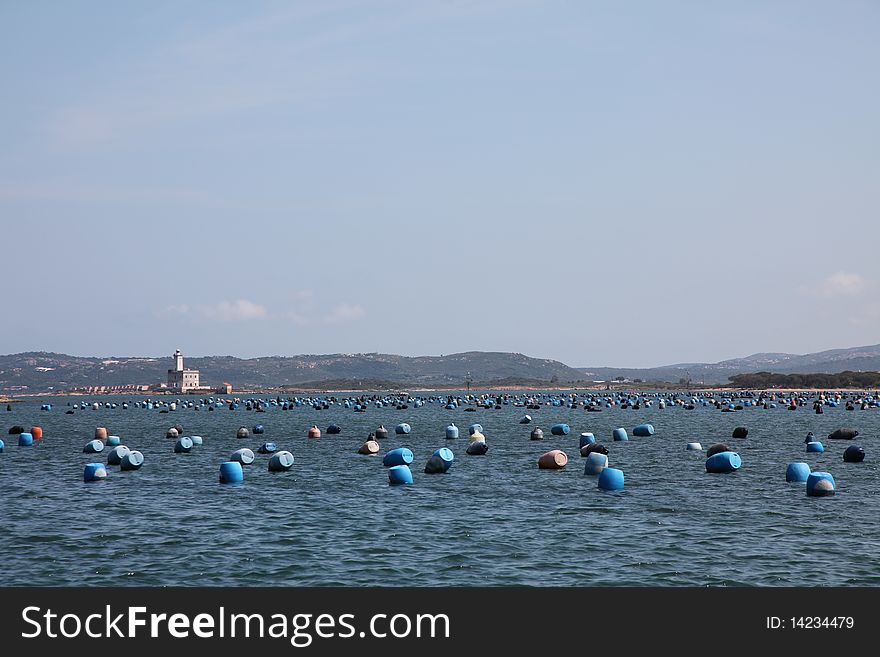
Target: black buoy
(740, 432)
(854, 454)
(717, 448)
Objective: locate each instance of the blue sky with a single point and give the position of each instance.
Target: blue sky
(603, 183)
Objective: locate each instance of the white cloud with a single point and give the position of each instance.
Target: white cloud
(238, 310)
(345, 312)
(177, 309)
(841, 284)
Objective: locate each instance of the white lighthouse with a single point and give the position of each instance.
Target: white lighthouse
(181, 379)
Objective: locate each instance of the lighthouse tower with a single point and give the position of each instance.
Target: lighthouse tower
(178, 361)
(181, 379)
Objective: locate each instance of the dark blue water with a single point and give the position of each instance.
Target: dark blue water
(492, 520)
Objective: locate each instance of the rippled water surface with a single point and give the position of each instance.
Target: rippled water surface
(492, 520)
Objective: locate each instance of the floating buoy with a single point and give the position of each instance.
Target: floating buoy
(477, 448)
(93, 447)
(314, 432)
(717, 448)
(619, 434)
(113, 441)
(843, 434)
(536, 434)
(589, 448)
(172, 433)
(611, 479)
(242, 432)
(281, 461)
(100, 433)
(46, 407)
(695, 447)
(26, 439)
(16, 430)
(560, 429)
(810, 438)
(114, 456)
(740, 432)
(595, 463)
(332, 430)
(525, 419)
(440, 461)
(183, 445)
(797, 472)
(259, 428)
(451, 432)
(243, 456)
(555, 459)
(2, 446)
(370, 448)
(477, 437)
(723, 462)
(37, 433)
(854, 454)
(815, 446)
(475, 428)
(644, 430)
(267, 448)
(402, 428)
(133, 460)
(231, 472)
(381, 432)
(586, 438)
(399, 456)
(94, 472)
(399, 474)
(820, 484)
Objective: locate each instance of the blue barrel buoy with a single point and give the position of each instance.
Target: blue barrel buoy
(696, 447)
(281, 461)
(2, 445)
(595, 463)
(852, 454)
(26, 439)
(477, 448)
(132, 461)
(259, 429)
(797, 472)
(440, 461)
(399, 474)
(231, 472)
(451, 432)
(815, 446)
(475, 428)
(243, 456)
(619, 434)
(525, 419)
(267, 448)
(113, 441)
(93, 447)
(586, 439)
(94, 472)
(183, 445)
(399, 456)
(561, 429)
(820, 484)
(114, 456)
(402, 428)
(644, 430)
(611, 479)
(196, 440)
(723, 462)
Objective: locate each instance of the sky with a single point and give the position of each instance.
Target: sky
(602, 183)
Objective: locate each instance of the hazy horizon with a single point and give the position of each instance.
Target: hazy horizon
(595, 183)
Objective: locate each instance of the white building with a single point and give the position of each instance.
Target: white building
(182, 380)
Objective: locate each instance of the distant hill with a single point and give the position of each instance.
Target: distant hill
(44, 371)
(829, 362)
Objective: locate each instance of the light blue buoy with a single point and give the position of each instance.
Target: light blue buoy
(399, 456)
(183, 445)
(723, 462)
(820, 484)
(477, 448)
(243, 456)
(619, 434)
(611, 479)
(694, 447)
(595, 463)
(231, 472)
(281, 461)
(93, 447)
(399, 474)
(197, 440)
(561, 429)
(132, 461)
(475, 428)
(26, 439)
(2, 446)
(586, 439)
(798, 472)
(94, 472)
(113, 441)
(402, 428)
(451, 432)
(440, 461)
(644, 430)
(267, 448)
(114, 456)
(815, 446)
